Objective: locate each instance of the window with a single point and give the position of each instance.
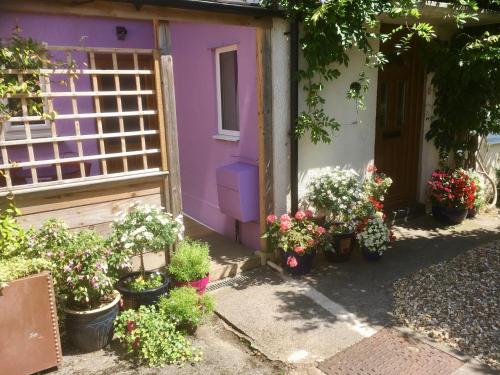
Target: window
(226, 64)
(34, 107)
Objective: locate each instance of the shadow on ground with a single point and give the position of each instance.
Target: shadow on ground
(339, 304)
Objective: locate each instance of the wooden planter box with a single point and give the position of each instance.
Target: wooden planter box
(29, 338)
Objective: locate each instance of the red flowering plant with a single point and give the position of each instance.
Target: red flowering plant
(297, 234)
(452, 188)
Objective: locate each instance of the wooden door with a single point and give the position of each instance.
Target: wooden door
(400, 93)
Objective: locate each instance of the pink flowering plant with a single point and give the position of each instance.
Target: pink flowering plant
(297, 234)
(83, 266)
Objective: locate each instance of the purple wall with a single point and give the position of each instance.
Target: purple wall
(195, 88)
(74, 31)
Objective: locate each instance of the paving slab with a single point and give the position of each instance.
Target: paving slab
(288, 320)
(389, 352)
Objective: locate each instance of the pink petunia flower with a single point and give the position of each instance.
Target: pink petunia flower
(299, 250)
(292, 262)
(271, 218)
(300, 215)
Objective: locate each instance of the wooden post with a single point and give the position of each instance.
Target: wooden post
(170, 116)
(264, 92)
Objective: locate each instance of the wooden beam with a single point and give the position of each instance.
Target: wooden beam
(264, 92)
(121, 10)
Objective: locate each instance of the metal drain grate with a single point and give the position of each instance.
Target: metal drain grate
(227, 282)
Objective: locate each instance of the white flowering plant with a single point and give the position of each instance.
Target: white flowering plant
(145, 228)
(375, 236)
(336, 192)
(480, 198)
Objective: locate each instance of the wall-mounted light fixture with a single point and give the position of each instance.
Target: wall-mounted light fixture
(121, 32)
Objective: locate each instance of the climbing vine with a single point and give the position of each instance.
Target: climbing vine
(332, 28)
(467, 85)
(23, 54)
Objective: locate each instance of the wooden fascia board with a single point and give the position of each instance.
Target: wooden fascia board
(125, 10)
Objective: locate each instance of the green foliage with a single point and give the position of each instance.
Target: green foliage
(140, 284)
(186, 306)
(330, 30)
(152, 339)
(467, 82)
(190, 261)
(16, 257)
(13, 238)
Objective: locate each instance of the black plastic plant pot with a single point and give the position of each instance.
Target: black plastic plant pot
(339, 249)
(303, 264)
(133, 299)
(92, 330)
(449, 215)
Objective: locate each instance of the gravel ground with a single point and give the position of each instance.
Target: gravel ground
(456, 302)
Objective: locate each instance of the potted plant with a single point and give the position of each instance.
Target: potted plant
(187, 307)
(152, 339)
(190, 265)
(144, 229)
(334, 194)
(26, 302)
(452, 193)
(297, 237)
(338, 241)
(374, 237)
(85, 271)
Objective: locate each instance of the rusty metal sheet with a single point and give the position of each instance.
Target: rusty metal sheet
(29, 332)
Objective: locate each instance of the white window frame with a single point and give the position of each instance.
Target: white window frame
(37, 129)
(223, 133)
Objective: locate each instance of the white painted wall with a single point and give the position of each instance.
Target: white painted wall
(354, 145)
(280, 45)
(429, 156)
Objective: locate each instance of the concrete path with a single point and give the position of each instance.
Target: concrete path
(310, 319)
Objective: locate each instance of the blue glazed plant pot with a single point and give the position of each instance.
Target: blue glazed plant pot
(370, 255)
(304, 262)
(93, 329)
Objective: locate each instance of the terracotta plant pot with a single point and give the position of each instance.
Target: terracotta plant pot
(340, 248)
(304, 262)
(370, 255)
(133, 299)
(449, 215)
(93, 329)
(29, 329)
(200, 285)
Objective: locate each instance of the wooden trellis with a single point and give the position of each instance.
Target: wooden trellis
(34, 173)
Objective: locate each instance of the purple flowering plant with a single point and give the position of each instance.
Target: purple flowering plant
(82, 264)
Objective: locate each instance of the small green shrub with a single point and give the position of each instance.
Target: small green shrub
(190, 261)
(147, 282)
(17, 257)
(187, 307)
(152, 339)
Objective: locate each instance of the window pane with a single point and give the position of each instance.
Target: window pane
(382, 105)
(229, 90)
